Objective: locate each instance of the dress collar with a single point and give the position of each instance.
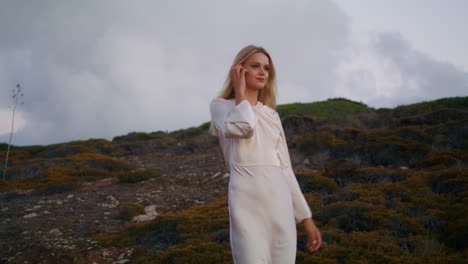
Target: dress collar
(258, 102)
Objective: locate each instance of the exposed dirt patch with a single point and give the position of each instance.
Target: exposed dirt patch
(46, 228)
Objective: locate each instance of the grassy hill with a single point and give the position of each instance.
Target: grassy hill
(384, 185)
(328, 108)
(342, 106)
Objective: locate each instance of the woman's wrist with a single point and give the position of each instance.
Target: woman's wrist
(240, 98)
(308, 223)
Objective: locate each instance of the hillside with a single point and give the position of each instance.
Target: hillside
(385, 186)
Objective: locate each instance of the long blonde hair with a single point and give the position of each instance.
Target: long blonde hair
(266, 95)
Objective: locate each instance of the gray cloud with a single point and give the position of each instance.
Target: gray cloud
(387, 71)
(434, 78)
(105, 68)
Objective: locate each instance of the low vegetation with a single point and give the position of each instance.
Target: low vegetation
(387, 186)
(411, 219)
(137, 176)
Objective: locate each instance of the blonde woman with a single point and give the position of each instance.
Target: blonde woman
(265, 200)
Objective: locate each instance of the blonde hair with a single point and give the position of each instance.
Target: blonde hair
(266, 95)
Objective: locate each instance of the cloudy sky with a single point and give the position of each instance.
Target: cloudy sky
(99, 69)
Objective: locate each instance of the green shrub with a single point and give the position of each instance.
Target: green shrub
(436, 160)
(137, 176)
(341, 170)
(133, 136)
(128, 210)
(314, 182)
(449, 181)
(350, 216)
(428, 106)
(314, 142)
(331, 107)
(140, 208)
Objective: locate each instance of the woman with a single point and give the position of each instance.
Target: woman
(265, 200)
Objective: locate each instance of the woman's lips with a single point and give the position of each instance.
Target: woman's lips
(261, 79)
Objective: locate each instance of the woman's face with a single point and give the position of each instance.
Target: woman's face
(258, 71)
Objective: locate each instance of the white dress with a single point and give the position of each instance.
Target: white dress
(265, 200)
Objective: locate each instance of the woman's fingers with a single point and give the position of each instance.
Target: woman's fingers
(309, 243)
(315, 246)
(317, 242)
(312, 246)
(238, 69)
(314, 241)
(242, 74)
(237, 74)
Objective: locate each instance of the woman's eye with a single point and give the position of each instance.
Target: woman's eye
(256, 66)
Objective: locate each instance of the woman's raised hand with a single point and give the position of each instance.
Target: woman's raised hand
(238, 80)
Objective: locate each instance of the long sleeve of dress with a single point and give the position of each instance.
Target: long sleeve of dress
(237, 122)
(301, 208)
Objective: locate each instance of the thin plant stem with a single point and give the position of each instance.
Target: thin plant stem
(15, 96)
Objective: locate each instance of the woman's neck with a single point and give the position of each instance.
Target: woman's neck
(252, 96)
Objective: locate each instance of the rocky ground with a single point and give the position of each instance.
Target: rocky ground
(51, 228)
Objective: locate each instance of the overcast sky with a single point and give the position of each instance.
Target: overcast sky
(100, 69)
